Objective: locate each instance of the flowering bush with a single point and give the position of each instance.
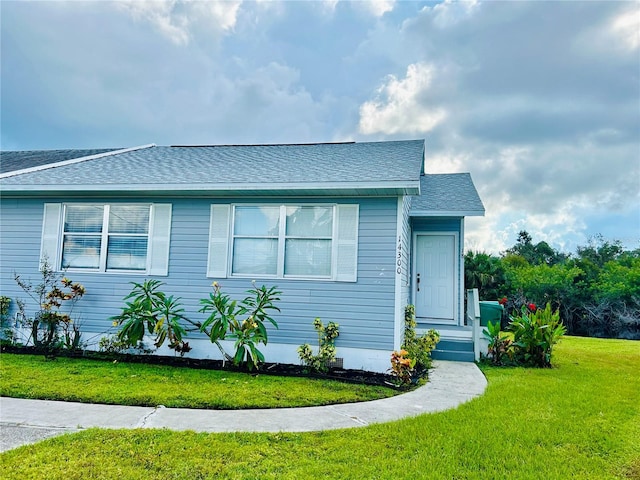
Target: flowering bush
(52, 327)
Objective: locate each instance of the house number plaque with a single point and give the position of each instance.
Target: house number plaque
(399, 258)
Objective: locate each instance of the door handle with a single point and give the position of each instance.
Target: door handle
(418, 282)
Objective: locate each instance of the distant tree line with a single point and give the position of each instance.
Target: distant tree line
(597, 289)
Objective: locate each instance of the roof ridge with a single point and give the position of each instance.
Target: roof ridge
(263, 145)
(73, 160)
(309, 144)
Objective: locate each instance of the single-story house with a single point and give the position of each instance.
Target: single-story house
(349, 232)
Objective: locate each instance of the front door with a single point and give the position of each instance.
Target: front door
(434, 278)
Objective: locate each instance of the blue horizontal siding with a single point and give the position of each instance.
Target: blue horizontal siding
(436, 224)
(364, 309)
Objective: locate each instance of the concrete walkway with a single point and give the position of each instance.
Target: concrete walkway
(24, 421)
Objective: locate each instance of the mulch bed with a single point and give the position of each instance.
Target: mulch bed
(280, 369)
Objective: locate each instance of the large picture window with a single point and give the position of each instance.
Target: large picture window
(284, 241)
(108, 237)
(105, 237)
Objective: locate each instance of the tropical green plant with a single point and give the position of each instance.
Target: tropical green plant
(326, 347)
(152, 312)
(418, 347)
(535, 332)
(223, 322)
(52, 327)
(500, 345)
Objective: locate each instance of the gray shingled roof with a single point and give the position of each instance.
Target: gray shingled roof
(334, 168)
(447, 194)
(11, 161)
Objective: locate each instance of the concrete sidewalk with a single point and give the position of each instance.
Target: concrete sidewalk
(450, 384)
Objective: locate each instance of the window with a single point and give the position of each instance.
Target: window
(284, 241)
(308, 240)
(256, 232)
(108, 237)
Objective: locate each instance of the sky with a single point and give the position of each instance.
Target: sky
(539, 101)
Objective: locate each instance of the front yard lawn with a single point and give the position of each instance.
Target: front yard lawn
(580, 420)
(93, 381)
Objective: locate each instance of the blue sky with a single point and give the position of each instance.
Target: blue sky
(540, 101)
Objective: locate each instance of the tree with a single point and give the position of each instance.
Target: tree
(538, 254)
(484, 272)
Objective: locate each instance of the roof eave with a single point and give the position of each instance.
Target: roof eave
(447, 213)
(355, 189)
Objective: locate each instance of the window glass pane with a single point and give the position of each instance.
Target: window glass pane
(129, 219)
(309, 221)
(254, 256)
(257, 221)
(81, 251)
(308, 258)
(83, 218)
(127, 253)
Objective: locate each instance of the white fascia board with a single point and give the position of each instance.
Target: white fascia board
(409, 188)
(73, 160)
(446, 213)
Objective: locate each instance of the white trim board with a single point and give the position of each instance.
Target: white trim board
(456, 266)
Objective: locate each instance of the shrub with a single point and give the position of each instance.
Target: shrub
(223, 322)
(418, 348)
(7, 335)
(535, 332)
(326, 347)
(52, 327)
(402, 367)
(151, 311)
(500, 345)
(111, 344)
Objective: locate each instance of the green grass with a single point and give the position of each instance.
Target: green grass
(578, 420)
(93, 381)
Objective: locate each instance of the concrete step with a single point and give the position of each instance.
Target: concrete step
(452, 355)
(454, 349)
(457, 345)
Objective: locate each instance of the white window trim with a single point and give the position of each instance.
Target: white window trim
(227, 212)
(158, 236)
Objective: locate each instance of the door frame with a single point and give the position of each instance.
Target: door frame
(456, 275)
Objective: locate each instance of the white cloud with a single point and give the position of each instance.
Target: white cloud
(626, 27)
(177, 19)
(563, 228)
(399, 106)
(328, 6)
(377, 8)
(449, 13)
